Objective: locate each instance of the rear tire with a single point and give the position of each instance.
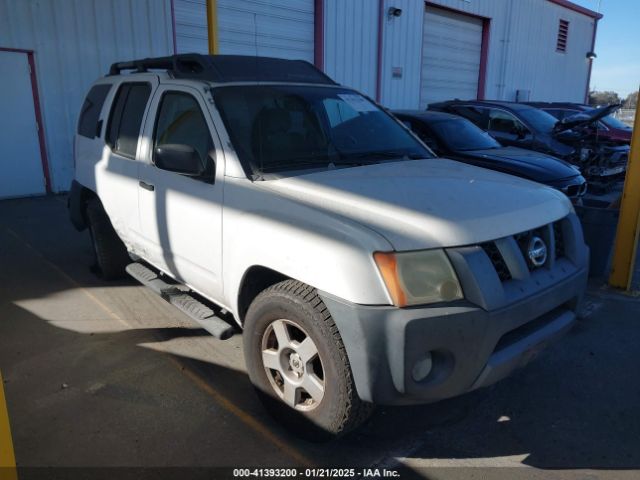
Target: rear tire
(288, 327)
(110, 253)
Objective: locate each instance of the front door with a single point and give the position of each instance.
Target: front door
(507, 129)
(180, 215)
(20, 157)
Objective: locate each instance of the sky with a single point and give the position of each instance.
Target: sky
(617, 67)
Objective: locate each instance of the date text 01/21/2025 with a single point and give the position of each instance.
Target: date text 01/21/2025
(315, 473)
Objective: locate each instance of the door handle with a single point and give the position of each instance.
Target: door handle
(146, 186)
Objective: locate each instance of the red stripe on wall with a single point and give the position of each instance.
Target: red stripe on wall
(36, 105)
(484, 57)
(318, 34)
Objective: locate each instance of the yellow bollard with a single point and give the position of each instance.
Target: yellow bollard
(212, 26)
(624, 254)
(7, 456)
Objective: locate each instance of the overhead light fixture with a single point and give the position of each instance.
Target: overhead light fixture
(394, 12)
(591, 55)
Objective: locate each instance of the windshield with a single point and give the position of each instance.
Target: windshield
(539, 120)
(460, 134)
(289, 127)
(613, 122)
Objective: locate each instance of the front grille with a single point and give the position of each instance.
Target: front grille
(523, 240)
(497, 260)
(559, 236)
(572, 191)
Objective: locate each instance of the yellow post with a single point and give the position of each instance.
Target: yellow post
(624, 254)
(7, 456)
(212, 26)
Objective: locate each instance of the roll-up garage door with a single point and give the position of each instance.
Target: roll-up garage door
(277, 28)
(451, 46)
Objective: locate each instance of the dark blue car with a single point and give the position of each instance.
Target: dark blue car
(454, 137)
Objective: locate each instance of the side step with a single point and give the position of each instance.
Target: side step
(180, 297)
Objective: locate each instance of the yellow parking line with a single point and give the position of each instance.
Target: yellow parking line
(223, 401)
(7, 456)
(247, 419)
(69, 279)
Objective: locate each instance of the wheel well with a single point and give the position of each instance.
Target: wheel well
(77, 201)
(255, 280)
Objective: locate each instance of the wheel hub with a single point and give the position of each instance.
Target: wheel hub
(293, 365)
(296, 365)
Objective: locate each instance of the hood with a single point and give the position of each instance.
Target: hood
(585, 117)
(418, 204)
(525, 163)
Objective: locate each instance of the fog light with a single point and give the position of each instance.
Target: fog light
(422, 368)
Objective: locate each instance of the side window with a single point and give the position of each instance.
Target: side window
(477, 115)
(90, 111)
(126, 118)
(501, 121)
(180, 121)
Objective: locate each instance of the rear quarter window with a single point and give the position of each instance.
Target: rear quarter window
(90, 111)
(125, 120)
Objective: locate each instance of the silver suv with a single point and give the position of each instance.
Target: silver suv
(258, 192)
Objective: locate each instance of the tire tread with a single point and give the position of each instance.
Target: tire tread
(356, 412)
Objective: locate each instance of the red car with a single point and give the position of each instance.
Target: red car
(609, 127)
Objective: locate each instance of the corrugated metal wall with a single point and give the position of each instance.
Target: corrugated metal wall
(521, 53)
(191, 26)
(277, 28)
(522, 49)
(402, 49)
(350, 45)
(74, 42)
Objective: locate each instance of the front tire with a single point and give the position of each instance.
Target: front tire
(110, 253)
(298, 364)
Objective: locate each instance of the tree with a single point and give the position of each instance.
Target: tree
(603, 98)
(631, 100)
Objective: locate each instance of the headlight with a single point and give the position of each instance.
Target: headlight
(418, 278)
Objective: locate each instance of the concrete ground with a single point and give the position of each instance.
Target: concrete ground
(103, 374)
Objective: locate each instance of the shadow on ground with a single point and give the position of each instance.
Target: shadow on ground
(576, 407)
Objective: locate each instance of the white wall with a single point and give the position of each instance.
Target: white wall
(75, 42)
(277, 28)
(351, 43)
(522, 48)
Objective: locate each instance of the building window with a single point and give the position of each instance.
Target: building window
(563, 36)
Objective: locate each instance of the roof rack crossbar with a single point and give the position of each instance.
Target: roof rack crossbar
(172, 63)
(227, 68)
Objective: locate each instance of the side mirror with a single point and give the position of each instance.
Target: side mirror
(182, 159)
(520, 131)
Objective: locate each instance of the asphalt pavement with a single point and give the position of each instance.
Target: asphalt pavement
(100, 374)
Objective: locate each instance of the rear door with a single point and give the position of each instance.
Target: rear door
(181, 216)
(117, 174)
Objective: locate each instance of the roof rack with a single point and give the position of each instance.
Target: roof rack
(228, 68)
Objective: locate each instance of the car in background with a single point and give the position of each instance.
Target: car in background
(608, 128)
(517, 124)
(457, 138)
(512, 124)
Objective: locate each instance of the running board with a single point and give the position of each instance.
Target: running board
(180, 297)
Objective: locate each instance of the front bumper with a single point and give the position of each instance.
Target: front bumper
(499, 327)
